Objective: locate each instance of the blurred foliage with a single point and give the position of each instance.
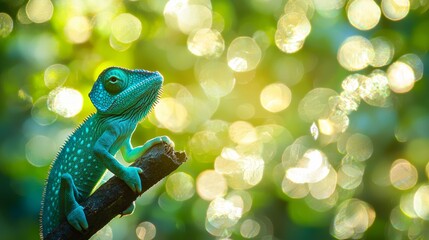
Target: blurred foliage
(302, 119)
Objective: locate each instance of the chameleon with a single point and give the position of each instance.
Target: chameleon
(122, 97)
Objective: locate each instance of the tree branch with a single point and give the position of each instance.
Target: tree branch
(114, 196)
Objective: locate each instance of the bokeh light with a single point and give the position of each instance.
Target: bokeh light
(243, 54)
(352, 219)
(315, 104)
(126, 28)
(216, 79)
(39, 11)
(188, 16)
(250, 228)
(328, 8)
(365, 21)
(56, 75)
(359, 147)
(211, 185)
(399, 220)
(66, 102)
(223, 213)
(6, 25)
(403, 175)
(302, 6)
(374, 89)
(171, 114)
(40, 150)
(206, 43)
(180, 186)
(421, 200)
(350, 176)
(355, 53)
(40, 112)
(146, 231)
(324, 188)
(384, 51)
(414, 62)
(241, 171)
(275, 97)
(401, 77)
(395, 9)
(311, 168)
(78, 29)
(242, 132)
(407, 205)
(292, 29)
(294, 190)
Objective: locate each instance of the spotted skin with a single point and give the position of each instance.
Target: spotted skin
(122, 98)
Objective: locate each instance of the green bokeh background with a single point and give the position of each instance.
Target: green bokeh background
(24, 55)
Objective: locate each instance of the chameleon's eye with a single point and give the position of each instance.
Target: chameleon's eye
(113, 79)
(114, 85)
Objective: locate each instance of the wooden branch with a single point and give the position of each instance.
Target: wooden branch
(114, 196)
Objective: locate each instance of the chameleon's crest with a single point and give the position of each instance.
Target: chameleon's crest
(110, 93)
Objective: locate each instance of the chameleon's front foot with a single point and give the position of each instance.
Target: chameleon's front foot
(77, 219)
(161, 139)
(131, 177)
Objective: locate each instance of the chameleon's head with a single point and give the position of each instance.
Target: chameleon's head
(118, 90)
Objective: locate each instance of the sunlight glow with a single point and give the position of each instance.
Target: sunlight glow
(66, 102)
(188, 17)
(78, 29)
(171, 114)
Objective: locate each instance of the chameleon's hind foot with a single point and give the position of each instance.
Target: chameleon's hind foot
(129, 210)
(77, 219)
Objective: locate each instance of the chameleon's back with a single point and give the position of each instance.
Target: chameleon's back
(76, 157)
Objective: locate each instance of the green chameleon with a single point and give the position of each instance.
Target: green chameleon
(122, 98)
